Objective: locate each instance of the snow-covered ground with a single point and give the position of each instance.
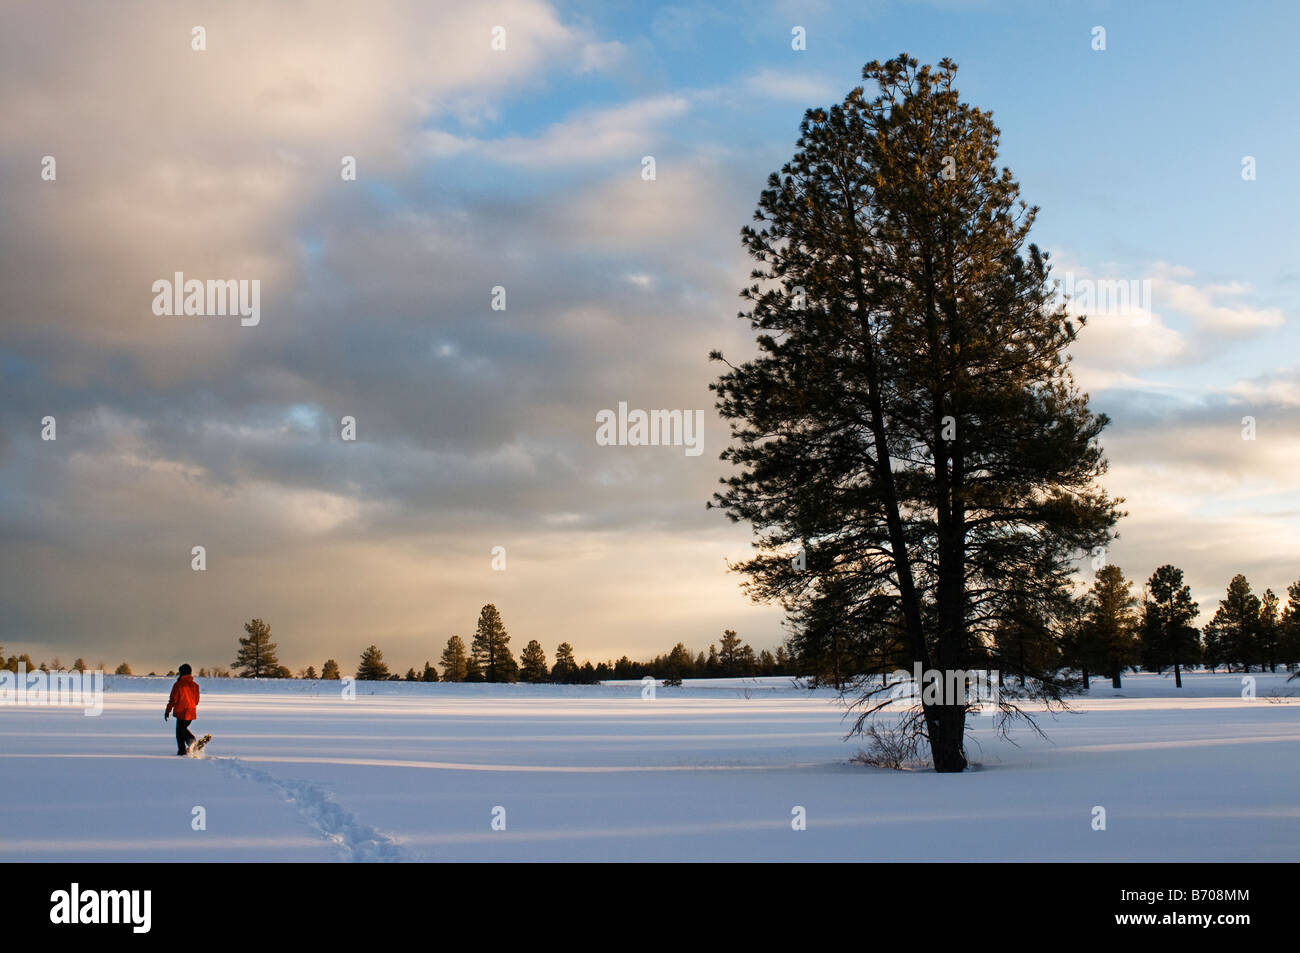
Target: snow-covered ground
(713, 770)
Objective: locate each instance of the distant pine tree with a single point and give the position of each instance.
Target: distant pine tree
(675, 665)
(310, 673)
(1168, 635)
(123, 669)
(532, 667)
(491, 647)
(1024, 639)
(372, 667)
(1077, 649)
(679, 664)
(472, 671)
(565, 669)
(430, 673)
(411, 676)
(1269, 631)
(454, 661)
(1112, 624)
(257, 652)
(1233, 634)
(728, 648)
(330, 671)
(1291, 627)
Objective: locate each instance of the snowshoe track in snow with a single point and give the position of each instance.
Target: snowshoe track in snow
(357, 842)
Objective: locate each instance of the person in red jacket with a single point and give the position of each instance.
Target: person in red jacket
(185, 702)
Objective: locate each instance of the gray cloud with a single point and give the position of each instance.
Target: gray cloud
(476, 427)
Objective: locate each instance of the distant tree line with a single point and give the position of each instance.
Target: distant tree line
(1107, 630)
(11, 664)
(1110, 630)
(56, 665)
(488, 658)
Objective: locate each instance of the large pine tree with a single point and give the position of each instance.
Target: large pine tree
(911, 444)
(491, 647)
(256, 658)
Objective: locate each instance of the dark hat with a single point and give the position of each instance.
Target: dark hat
(185, 669)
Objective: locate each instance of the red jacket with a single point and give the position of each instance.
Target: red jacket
(185, 698)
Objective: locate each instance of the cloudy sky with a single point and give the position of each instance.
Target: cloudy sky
(521, 168)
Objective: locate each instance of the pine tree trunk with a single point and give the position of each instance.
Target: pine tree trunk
(947, 729)
(1178, 675)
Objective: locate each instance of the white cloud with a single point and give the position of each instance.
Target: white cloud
(627, 131)
(1205, 307)
(1161, 318)
(791, 87)
(207, 161)
(1122, 334)
(597, 56)
(1282, 390)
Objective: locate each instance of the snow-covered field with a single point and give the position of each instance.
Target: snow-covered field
(710, 771)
